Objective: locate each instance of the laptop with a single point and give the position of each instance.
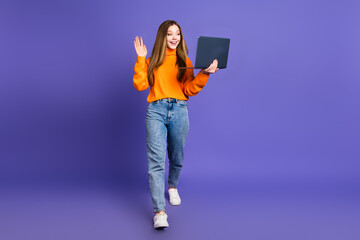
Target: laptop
(208, 49)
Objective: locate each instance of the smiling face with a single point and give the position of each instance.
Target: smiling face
(173, 37)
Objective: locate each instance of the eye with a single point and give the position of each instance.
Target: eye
(169, 34)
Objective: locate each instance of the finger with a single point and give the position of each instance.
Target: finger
(214, 64)
(141, 41)
(214, 68)
(137, 40)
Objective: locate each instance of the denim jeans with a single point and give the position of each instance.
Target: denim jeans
(167, 125)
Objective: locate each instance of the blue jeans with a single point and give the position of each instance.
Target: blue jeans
(167, 125)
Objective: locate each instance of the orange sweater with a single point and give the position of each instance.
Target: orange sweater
(166, 84)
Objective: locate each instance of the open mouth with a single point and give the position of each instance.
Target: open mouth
(173, 43)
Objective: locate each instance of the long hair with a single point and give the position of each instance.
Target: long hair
(159, 52)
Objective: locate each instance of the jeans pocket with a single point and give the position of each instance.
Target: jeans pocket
(182, 103)
(151, 105)
(154, 102)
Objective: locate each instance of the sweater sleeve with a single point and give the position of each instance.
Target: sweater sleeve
(193, 85)
(140, 79)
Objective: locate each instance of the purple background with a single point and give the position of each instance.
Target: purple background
(273, 148)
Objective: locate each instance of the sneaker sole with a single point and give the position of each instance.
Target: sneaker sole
(162, 226)
(175, 204)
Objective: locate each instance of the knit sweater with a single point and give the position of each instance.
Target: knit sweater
(166, 84)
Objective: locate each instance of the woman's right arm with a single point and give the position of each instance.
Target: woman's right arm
(140, 79)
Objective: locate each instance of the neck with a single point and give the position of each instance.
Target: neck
(170, 51)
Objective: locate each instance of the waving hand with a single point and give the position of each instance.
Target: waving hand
(140, 48)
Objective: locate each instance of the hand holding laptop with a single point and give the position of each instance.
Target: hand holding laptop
(212, 68)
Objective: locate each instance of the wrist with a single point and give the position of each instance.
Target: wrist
(203, 72)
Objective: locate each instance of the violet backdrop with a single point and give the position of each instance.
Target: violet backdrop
(285, 111)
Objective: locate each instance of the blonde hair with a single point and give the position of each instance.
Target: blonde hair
(159, 51)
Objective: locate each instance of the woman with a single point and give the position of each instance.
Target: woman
(167, 121)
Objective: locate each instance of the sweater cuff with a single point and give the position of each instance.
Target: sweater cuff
(140, 59)
(203, 75)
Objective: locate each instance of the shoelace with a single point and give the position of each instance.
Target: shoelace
(161, 216)
(175, 192)
(175, 195)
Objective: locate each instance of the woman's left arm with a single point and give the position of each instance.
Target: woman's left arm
(193, 85)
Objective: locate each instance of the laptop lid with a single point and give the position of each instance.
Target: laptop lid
(210, 48)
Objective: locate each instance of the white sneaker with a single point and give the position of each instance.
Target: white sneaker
(160, 220)
(174, 197)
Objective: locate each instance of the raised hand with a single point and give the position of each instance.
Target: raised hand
(212, 68)
(140, 48)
